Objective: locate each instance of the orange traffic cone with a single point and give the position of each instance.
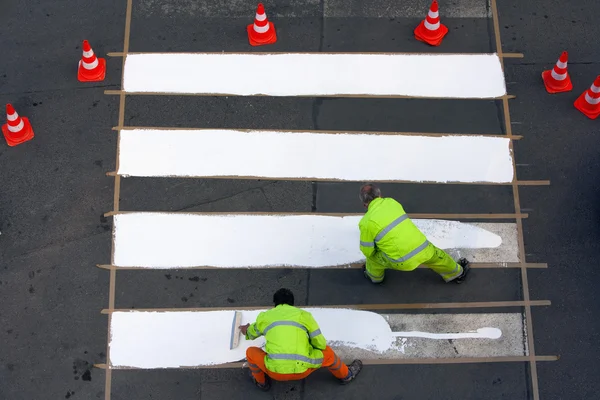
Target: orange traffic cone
(589, 101)
(17, 130)
(91, 68)
(558, 80)
(262, 31)
(430, 30)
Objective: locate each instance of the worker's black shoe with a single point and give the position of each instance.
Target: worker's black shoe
(262, 386)
(354, 369)
(466, 265)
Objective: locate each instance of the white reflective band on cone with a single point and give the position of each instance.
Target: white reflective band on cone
(432, 27)
(595, 89)
(558, 77)
(592, 100)
(560, 64)
(12, 117)
(261, 29)
(261, 17)
(88, 53)
(91, 65)
(433, 14)
(16, 128)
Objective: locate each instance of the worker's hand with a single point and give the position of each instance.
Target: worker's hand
(244, 328)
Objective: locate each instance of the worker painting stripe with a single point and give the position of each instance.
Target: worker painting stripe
(179, 240)
(144, 339)
(316, 74)
(309, 155)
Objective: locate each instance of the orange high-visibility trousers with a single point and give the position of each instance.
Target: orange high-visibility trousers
(256, 362)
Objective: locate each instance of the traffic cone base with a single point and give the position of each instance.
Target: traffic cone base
(15, 138)
(431, 38)
(550, 88)
(95, 75)
(258, 40)
(582, 105)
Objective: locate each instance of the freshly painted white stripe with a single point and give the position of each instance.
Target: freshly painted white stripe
(16, 128)
(178, 240)
(480, 333)
(275, 154)
(507, 252)
(314, 74)
(184, 339)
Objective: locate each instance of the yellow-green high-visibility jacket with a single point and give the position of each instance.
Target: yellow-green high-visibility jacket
(293, 339)
(386, 228)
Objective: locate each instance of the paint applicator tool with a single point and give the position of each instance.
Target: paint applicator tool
(235, 330)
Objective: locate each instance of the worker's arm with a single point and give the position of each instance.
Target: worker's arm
(317, 340)
(367, 239)
(252, 331)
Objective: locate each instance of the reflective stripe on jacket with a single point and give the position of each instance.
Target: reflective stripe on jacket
(293, 339)
(386, 228)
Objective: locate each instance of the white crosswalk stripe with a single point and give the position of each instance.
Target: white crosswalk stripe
(312, 155)
(317, 74)
(177, 339)
(176, 240)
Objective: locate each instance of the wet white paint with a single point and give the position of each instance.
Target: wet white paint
(175, 339)
(281, 155)
(186, 338)
(178, 240)
(315, 74)
(481, 333)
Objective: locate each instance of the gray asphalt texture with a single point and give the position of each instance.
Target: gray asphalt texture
(53, 193)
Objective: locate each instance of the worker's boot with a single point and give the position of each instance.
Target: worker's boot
(262, 386)
(466, 265)
(364, 268)
(353, 370)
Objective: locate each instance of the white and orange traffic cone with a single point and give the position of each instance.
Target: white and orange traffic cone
(262, 31)
(589, 101)
(16, 130)
(91, 68)
(431, 30)
(558, 80)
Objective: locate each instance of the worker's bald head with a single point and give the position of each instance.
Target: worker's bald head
(368, 193)
(283, 296)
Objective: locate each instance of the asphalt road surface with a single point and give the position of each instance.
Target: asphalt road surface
(54, 191)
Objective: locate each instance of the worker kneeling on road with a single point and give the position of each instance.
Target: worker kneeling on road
(295, 346)
(390, 240)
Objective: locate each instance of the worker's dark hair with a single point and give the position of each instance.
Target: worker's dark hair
(283, 296)
(369, 192)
